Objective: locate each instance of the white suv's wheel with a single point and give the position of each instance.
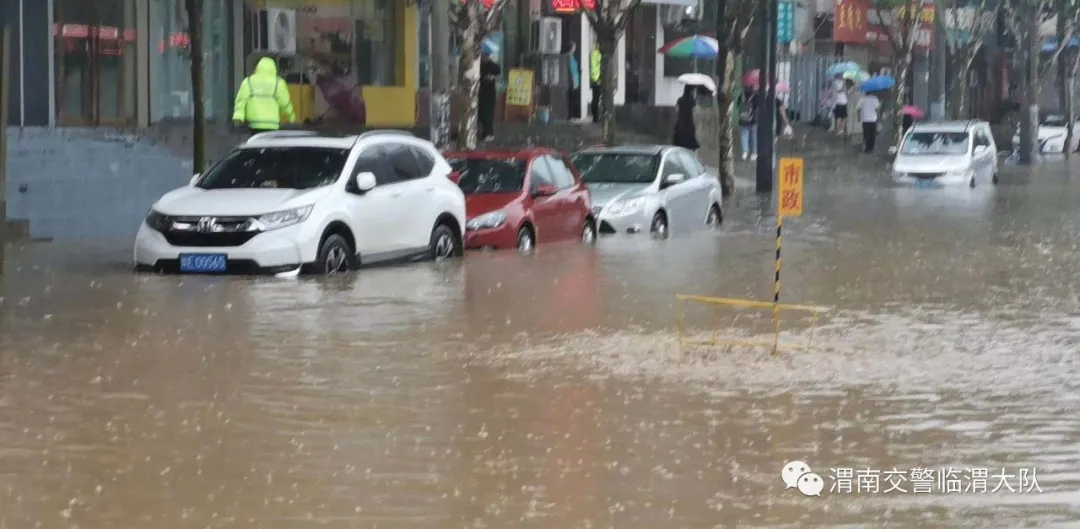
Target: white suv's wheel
(444, 243)
(334, 256)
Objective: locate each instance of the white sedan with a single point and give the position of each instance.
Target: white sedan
(1051, 135)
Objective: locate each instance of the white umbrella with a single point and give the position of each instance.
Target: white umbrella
(698, 79)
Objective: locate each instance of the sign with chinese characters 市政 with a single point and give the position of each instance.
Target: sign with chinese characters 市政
(791, 187)
(785, 21)
(863, 22)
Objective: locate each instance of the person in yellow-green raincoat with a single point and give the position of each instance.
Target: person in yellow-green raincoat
(262, 98)
(594, 82)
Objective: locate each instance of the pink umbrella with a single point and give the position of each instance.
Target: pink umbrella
(913, 111)
(752, 78)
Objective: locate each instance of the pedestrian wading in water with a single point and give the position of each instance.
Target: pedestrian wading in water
(867, 108)
(485, 106)
(685, 133)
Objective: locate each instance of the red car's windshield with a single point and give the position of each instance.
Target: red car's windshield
(489, 175)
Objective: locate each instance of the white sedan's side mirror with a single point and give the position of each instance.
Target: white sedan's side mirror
(194, 179)
(673, 179)
(365, 181)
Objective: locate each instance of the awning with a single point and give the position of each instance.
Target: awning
(295, 4)
(684, 3)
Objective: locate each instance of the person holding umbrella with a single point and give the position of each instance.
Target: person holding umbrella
(685, 131)
(485, 105)
(840, 104)
(685, 135)
(868, 108)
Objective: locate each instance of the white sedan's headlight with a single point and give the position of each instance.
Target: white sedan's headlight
(899, 174)
(280, 219)
(487, 221)
(626, 207)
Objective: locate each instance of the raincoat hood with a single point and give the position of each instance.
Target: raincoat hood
(266, 66)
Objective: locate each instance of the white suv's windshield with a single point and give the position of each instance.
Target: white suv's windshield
(277, 167)
(936, 143)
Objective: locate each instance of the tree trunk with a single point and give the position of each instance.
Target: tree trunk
(440, 110)
(725, 100)
(958, 89)
(609, 81)
(1062, 24)
(903, 65)
(1070, 116)
(195, 19)
(468, 82)
(1029, 119)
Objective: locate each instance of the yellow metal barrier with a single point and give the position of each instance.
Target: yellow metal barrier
(776, 308)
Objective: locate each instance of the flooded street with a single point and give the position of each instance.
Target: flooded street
(550, 391)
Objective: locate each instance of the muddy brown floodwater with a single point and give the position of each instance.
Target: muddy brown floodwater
(549, 391)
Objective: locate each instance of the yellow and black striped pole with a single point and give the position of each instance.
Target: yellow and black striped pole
(776, 284)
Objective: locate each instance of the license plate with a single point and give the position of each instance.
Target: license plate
(925, 183)
(202, 263)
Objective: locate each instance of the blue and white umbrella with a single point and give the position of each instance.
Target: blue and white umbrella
(877, 83)
(841, 68)
(1051, 45)
(490, 47)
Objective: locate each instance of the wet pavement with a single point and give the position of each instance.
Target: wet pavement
(550, 391)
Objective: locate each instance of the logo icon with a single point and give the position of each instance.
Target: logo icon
(207, 224)
(798, 475)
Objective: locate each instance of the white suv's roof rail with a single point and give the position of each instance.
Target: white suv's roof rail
(386, 132)
(282, 134)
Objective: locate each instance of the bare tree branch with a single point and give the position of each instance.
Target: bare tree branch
(624, 17)
(494, 16)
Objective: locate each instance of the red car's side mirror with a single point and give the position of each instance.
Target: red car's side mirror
(454, 176)
(545, 191)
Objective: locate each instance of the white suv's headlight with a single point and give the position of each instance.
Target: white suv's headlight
(487, 221)
(961, 174)
(626, 207)
(280, 219)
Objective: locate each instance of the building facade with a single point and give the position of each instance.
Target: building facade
(124, 63)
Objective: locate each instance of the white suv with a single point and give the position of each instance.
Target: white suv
(291, 201)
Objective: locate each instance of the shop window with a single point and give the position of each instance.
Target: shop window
(94, 61)
(170, 66)
(377, 36)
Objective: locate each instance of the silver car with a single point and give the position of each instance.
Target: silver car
(947, 153)
(649, 188)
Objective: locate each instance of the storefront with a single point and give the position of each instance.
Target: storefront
(670, 20)
(576, 29)
(114, 62)
(346, 48)
(125, 62)
(170, 73)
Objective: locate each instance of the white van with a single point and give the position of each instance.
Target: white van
(947, 153)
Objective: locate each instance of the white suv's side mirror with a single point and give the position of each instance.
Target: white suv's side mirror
(365, 181)
(194, 179)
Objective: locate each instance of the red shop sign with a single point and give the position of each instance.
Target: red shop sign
(572, 6)
(857, 22)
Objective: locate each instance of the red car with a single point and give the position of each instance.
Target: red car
(518, 199)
